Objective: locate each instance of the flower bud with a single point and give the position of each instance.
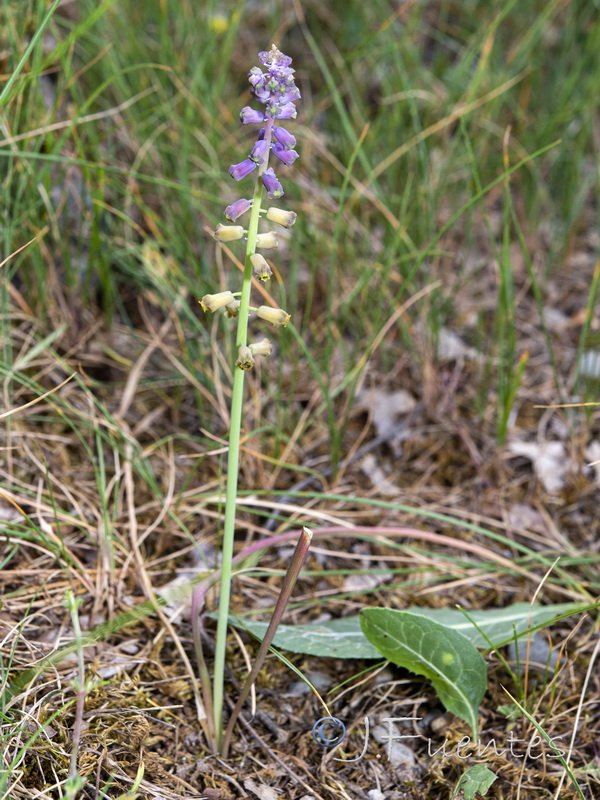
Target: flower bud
(241, 170)
(271, 184)
(281, 217)
(260, 267)
(276, 316)
(286, 111)
(284, 137)
(264, 348)
(228, 233)
(232, 309)
(267, 240)
(287, 156)
(259, 151)
(212, 302)
(248, 114)
(245, 359)
(261, 93)
(238, 208)
(255, 76)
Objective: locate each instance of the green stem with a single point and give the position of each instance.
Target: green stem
(237, 400)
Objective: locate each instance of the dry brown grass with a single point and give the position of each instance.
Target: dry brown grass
(111, 486)
(157, 519)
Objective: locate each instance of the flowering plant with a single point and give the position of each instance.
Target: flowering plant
(275, 89)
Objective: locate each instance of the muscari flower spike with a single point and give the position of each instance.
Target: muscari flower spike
(276, 89)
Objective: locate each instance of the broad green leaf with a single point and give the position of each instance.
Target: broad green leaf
(477, 779)
(445, 656)
(498, 624)
(343, 638)
(338, 638)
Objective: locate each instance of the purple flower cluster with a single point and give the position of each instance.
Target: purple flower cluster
(276, 89)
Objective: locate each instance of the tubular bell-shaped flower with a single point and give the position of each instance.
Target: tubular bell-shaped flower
(271, 184)
(245, 359)
(259, 151)
(238, 208)
(232, 309)
(287, 111)
(284, 137)
(228, 233)
(267, 240)
(276, 316)
(287, 156)
(213, 302)
(241, 170)
(260, 267)
(281, 217)
(264, 348)
(248, 114)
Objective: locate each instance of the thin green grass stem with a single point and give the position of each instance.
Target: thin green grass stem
(558, 752)
(233, 459)
(5, 95)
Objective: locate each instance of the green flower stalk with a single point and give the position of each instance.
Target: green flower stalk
(275, 88)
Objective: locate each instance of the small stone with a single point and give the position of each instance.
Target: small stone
(541, 657)
(399, 755)
(439, 723)
(320, 680)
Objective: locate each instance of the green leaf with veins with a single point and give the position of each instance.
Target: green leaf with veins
(450, 661)
(476, 780)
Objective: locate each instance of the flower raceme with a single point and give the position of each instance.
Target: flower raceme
(275, 89)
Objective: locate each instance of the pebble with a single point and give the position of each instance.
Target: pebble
(399, 754)
(541, 657)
